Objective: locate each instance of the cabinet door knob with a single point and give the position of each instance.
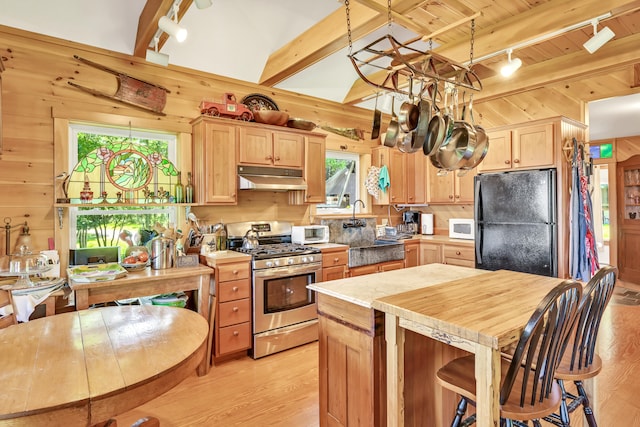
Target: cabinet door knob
(236, 333)
(336, 259)
(516, 160)
(235, 309)
(277, 158)
(235, 272)
(450, 197)
(234, 289)
(507, 162)
(268, 158)
(457, 252)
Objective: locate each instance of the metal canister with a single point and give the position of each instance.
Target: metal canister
(162, 253)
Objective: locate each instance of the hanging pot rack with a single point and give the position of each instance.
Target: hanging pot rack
(402, 59)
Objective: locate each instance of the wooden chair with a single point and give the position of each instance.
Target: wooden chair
(580, 361)
(528, 389)
(5, 301)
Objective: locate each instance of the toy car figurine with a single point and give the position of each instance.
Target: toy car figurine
(230, 108)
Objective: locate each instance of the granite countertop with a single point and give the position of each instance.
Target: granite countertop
(362, 290)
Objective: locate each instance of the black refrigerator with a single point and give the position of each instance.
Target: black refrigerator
(515, 218)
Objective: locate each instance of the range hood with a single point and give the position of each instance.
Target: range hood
(261, 178)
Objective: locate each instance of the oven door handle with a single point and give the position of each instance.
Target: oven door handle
(315, 267)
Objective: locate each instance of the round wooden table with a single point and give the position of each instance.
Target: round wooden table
(83, 367)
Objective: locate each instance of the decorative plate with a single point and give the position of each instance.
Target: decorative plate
(255, 101)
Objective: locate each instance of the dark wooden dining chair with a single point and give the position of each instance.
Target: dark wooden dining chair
(6, 303)
(528, 389)
(580, 361)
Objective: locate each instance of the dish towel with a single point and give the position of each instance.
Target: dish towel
(372, 181)
(383, 181)
(26, 300)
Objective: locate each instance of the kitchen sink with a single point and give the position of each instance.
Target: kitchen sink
(380, 251)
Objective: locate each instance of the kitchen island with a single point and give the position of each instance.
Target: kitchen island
(381, 371)
(353, 352)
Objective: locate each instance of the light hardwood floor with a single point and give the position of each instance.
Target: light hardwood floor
(281, 390)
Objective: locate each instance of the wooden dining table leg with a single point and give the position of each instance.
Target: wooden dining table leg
(395, 338)
(487, 386)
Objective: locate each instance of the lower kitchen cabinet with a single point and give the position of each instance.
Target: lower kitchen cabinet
(334, 263)
(411, 253)
(232, 329)
(430, 253)
(463, 256)
(376, 268)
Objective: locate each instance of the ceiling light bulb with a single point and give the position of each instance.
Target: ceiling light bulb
(511, 66)
(173, 29)
(599, 39)
(203, 4)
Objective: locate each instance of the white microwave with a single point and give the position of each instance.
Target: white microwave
(309, 234)
(462, 228)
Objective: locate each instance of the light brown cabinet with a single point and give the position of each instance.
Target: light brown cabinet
(411, 253)
(449, 188)
(463, 256)
(416, 167)
(396, 165)
(265, 147)
(628, 183)
(232, 329)
(334, 263)
(523, 147)
(314, 169)
(430, 253)
(214, 160)
(375, 268)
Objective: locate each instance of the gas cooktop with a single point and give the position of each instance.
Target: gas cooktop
(278, 250)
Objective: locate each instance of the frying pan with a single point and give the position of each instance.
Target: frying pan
(377, 115)
(436, 129)
(409, 112)
(414, 139)
(393, 129)
(482, 145)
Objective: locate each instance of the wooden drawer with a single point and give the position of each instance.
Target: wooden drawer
(234, 312)
(233, 290)
(458, 255)
(335, 258)
(234, 271)
(233, 338)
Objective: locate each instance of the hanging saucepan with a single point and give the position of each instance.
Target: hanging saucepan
(436, 129)
(409, 112)
(456, 151)
(482, 144)
(414, 139)
(393, 130)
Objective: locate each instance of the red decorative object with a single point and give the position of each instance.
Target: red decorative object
(230, 108)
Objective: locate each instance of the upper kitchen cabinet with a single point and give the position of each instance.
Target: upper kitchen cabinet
(449, 188)
(214, 160)
(523, 147)
(417, 178)
(396, 164)
(314, 169)
(628, 182)
(263, 146)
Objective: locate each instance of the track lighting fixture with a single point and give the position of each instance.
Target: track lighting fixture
(511, 66)
(171, 27)
(202, 4)
(599, 38)
(157, 57)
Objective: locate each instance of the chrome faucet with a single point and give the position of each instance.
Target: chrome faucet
(354, 208)
(355, 222)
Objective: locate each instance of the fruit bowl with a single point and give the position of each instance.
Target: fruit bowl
(271, 117)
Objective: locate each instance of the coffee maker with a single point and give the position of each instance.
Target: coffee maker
(411, 221)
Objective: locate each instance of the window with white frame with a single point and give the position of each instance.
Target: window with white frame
(116, 222)
(342, 182)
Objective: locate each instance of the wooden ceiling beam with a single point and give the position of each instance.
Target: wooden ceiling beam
(148, 23)
(536, 22)
(325, 38)
(618, 53)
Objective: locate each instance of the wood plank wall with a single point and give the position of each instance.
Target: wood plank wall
(37, 69)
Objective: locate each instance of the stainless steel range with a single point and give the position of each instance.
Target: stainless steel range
(284, 310)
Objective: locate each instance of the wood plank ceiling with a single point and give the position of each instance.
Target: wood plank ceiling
(559, 62)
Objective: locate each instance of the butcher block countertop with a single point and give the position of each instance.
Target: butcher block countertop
(363, 290)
